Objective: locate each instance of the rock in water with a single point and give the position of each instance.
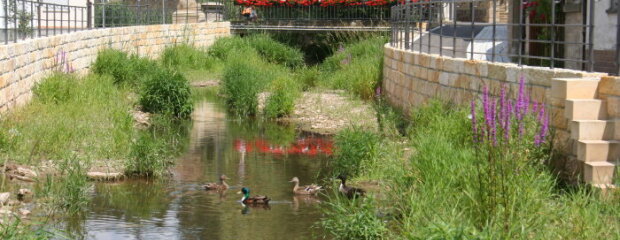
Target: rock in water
(101, 176)
(4, 198)
(23, 193)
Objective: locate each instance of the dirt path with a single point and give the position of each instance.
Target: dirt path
(328, 111)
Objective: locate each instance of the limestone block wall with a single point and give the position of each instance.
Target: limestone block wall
(412, 79)
(25, 63)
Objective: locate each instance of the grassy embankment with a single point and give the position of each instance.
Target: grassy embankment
(428, 180)
(75, 123)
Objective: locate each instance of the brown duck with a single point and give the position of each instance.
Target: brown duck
(305, 190)
(217, 186)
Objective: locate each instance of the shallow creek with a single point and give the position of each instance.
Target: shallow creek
(262, 156)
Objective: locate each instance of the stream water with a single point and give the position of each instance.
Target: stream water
(263, 156)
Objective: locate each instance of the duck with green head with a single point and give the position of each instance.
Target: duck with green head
(258, 199)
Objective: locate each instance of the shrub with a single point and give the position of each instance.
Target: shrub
(355, 148)
(186, 57)
(58, 88)
(131, 70)
(223, 47)
(140, 69)
(112, 62)
(276, 52)
(281, 102)
(147, 157)
(167, 92)
(352, 220)
(308, 77)
(355, 67)
(244, 77)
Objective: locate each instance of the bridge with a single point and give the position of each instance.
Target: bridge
(291, 16)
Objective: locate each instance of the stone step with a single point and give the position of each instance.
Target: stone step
(585, 109)
(592, 129)
(598, 150)
(599, 173)
(574, 88)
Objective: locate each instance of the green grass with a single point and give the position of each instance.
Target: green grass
(433, 193)
(69, 116)
(167, 92)
(184, 56)
(281, 101)
(356, 67)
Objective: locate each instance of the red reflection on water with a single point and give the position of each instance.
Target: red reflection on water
(308, 146)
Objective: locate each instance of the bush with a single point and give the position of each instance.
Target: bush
(186, 57)
(308, 77)
(58, 88)
(245, 76)
(276, 52)
(355, 149)
(281, 102)
(112, 62)
(356, 67)
(167, 92)
(352, 220)
(223, 47)
(148, 156)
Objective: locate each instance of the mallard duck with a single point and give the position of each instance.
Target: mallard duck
(305, 190)
(217, 186)
(350, 192)
(246, 199)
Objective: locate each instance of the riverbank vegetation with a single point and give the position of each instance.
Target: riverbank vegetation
(435, 182)
(431, 174)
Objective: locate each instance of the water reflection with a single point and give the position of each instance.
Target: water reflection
(263, 156)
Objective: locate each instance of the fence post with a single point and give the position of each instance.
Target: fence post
(6, 21)
(89, 14)
(163, 11)
(618, 43)
(102, 14)
(39, 17)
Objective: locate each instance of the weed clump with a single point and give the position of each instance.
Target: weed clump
(281, 101)
(276, 52)
(223, 47)
(58, 88)
(355, 67)
(125, 69)
(112, 62)
(184, 56)
(355, 149)
(241, 84)
(352, 219)
(167, 92)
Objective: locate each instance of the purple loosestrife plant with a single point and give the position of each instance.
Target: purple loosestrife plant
(504, 156)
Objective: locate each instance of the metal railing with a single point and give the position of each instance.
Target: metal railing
(22, 19)
(495, 31)
(310, 13)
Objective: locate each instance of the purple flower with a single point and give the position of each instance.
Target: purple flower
(492, 121)
(507, 121)
(473, 121)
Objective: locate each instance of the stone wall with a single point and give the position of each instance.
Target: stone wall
(609, 90)
(24, 63)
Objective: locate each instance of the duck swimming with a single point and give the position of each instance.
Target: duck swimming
(350, 192)
(246, 199)
(305, 190)
(217, 186)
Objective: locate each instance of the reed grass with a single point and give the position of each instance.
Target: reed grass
(432, 194)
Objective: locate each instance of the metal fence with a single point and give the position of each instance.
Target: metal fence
(311, 13)
(499, 31)
(31, 18)
(22, 19)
